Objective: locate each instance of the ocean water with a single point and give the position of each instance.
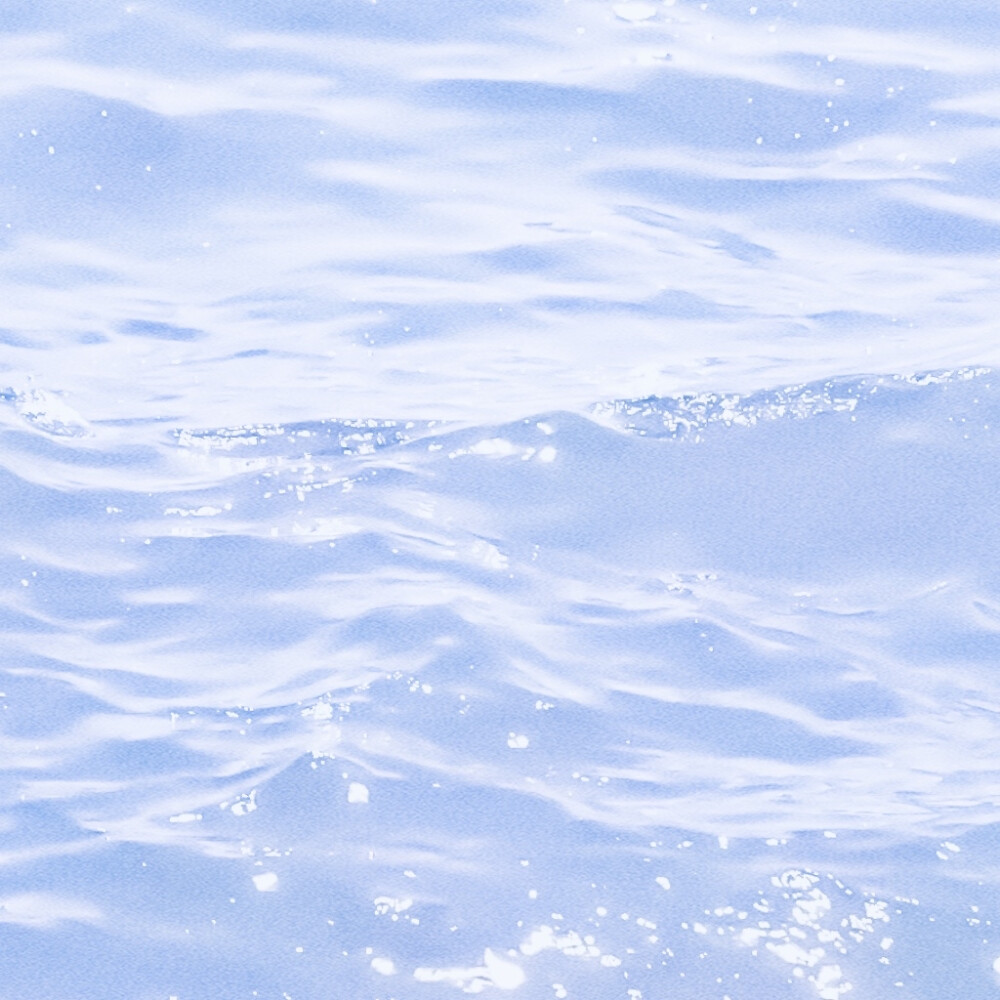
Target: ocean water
(499, 498)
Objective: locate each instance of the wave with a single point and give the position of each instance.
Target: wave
(750, 582)
(665, 628)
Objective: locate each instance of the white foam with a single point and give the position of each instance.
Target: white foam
(357, 793)
(383, 966)
(495, 971)
(266, 882)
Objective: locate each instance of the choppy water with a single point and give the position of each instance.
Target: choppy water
(499, 498)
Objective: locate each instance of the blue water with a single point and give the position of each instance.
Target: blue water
(499, 498)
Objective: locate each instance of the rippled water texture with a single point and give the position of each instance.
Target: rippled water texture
(458, 209)
(453, 539)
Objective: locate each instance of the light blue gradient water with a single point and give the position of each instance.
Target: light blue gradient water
(499, 498)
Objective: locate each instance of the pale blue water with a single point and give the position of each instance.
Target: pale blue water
(499, 498)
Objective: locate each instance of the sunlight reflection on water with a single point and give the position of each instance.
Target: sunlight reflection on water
(453, 539)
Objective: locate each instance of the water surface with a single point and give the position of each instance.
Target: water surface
(498, 498)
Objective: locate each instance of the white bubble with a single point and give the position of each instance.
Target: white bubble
(266, 882)
(384, 966)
